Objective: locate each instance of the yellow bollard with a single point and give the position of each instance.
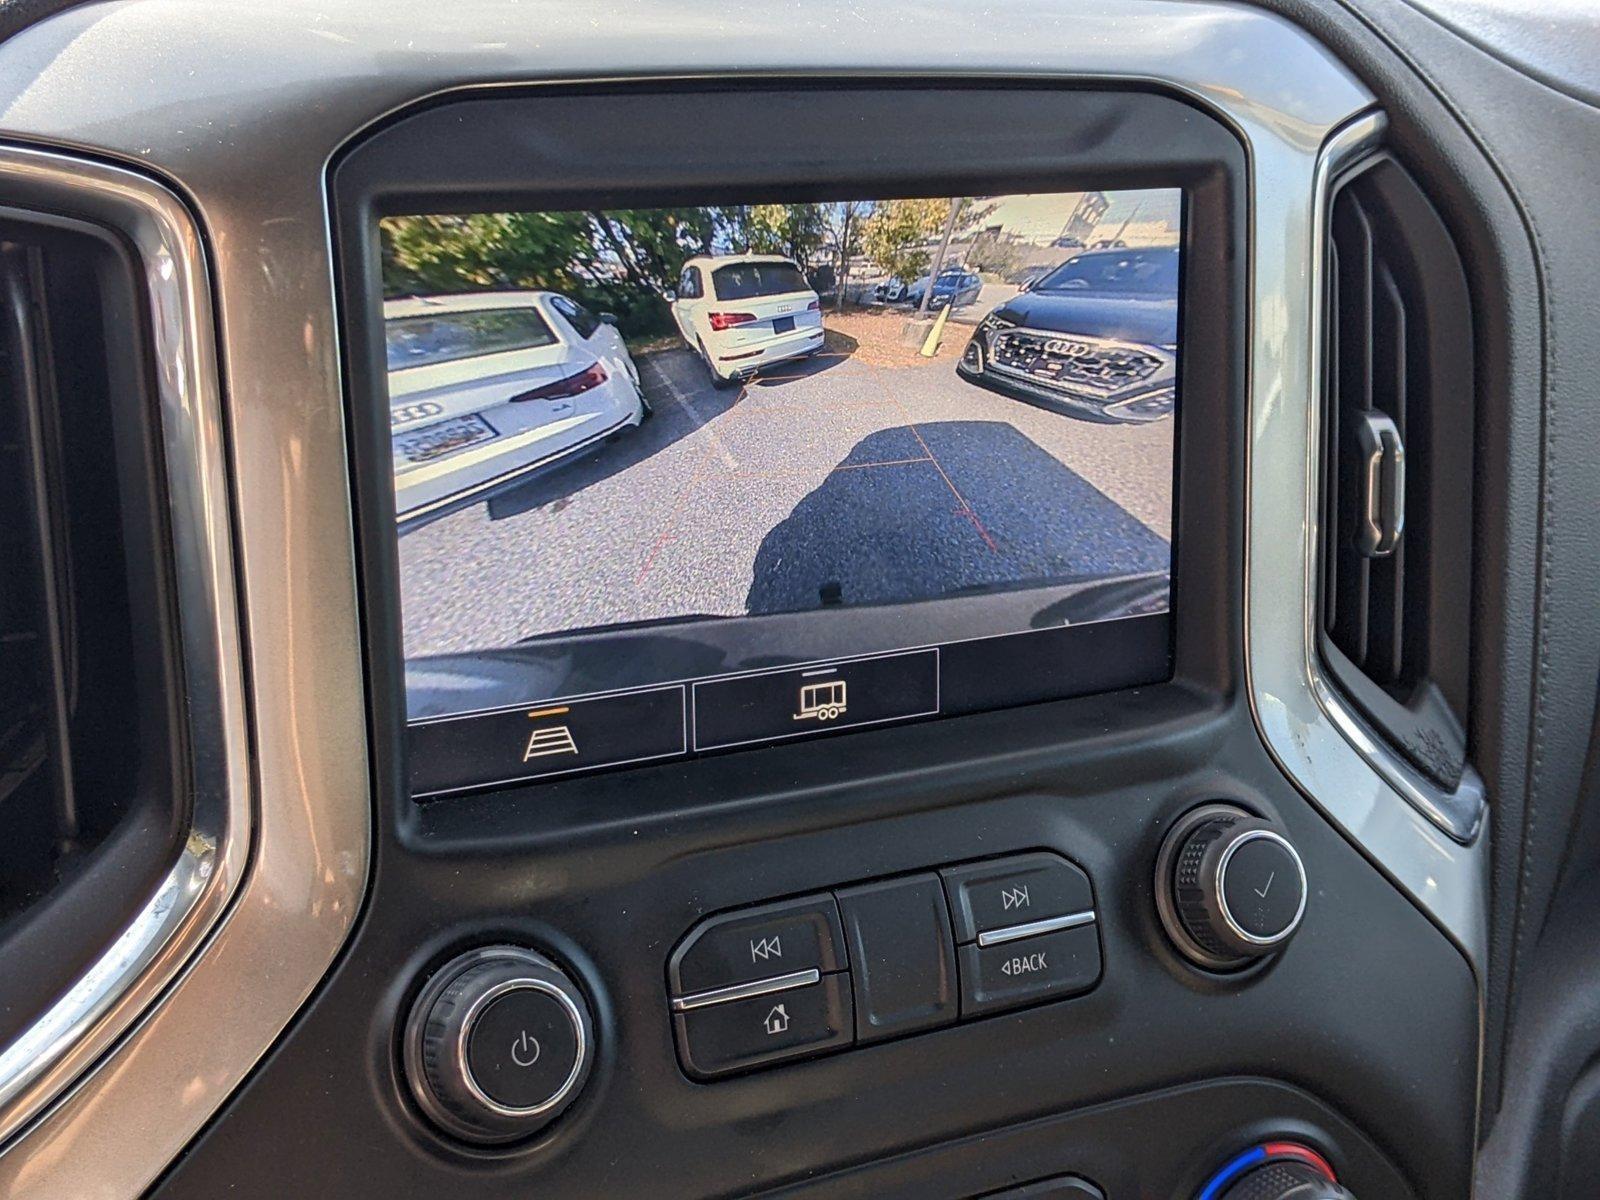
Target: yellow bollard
(930, 345)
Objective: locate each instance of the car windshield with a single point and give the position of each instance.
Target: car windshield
(1123, 271)
(426, 339)
(747, 280)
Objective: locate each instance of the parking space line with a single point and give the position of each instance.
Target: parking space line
(670, 529)
(966, 509)
(893, 462)
(687, 405)
(899, 462)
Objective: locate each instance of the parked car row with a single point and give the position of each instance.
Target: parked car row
(487, 389)
(955, 287)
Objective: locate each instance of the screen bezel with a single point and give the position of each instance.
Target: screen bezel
(607, 145)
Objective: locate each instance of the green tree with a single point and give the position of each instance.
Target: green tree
(486, 251)
(894, 235)
(795, 230)
(843, 222)
(652, 244)
(618, 260)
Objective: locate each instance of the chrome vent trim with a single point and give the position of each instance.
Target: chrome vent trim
(42, 188)
(1372, 577)
(1306, 724)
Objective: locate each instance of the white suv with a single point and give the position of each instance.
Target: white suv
(740, 312)
(486, 389)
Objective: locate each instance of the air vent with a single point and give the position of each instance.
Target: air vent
(89, 729)
(1397, 552)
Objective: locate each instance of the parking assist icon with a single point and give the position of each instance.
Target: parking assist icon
(549, 739)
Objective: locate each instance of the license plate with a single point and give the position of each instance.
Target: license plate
(442, 438)
(782, 324)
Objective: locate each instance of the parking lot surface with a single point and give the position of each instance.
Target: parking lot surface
(833, 478)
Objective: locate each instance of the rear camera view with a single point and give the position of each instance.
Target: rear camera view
(643, 445)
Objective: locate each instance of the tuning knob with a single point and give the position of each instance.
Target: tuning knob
(498, 1043)
(1230, 888)
(1275, 1171)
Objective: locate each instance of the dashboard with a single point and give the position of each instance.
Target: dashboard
(909, 601)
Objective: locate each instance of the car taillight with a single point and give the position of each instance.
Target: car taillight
(729, 320)
(572, 385)
(814, 306)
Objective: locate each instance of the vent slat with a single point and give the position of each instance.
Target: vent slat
(1388, 356)
(1330, 444)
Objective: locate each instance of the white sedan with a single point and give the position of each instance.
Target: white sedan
(486, 389)
(741, 312)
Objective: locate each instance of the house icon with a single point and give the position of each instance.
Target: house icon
(777, 1020)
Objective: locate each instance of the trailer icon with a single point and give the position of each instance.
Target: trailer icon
(824, 701)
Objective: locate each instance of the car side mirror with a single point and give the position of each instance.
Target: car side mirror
(608, 318)
(670, 296)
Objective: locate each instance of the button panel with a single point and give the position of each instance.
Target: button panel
(1263, 887)
(558, 737)
(881, 959)
(793, 702)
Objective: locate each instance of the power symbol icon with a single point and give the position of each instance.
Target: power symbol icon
(525, 1050)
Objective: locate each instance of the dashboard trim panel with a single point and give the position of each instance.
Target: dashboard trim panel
(176, 108)
(115, 989)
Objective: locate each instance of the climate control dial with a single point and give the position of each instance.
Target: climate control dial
(1275, 1171)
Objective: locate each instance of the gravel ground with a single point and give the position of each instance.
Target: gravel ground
(884, 476)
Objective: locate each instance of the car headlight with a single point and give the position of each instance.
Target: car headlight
(995, 321)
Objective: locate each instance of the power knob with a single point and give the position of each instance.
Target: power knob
(1230, 887)
(498, 1043)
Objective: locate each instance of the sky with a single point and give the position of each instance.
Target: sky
(1043, 216)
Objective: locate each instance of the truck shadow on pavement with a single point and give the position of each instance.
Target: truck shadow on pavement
(929, 510)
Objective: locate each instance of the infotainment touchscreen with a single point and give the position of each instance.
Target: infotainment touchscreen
(673, 481)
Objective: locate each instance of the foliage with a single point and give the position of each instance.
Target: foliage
(795, 230)
(842, 223)
(894, 235)
(485, 251)
(652, 244)
(620, 261)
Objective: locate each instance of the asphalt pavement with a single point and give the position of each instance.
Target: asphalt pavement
(829, 478)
